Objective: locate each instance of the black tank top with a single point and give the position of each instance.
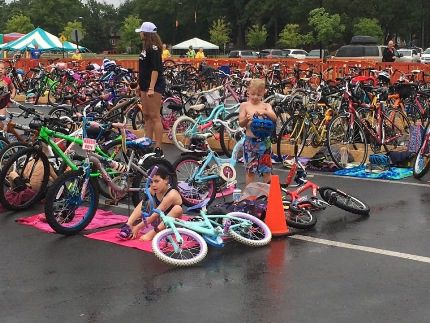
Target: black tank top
(157, 202)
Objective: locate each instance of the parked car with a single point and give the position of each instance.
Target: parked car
(408, 55)
(273, 53)
(425, 56)
(361, 47)
(315, 53)
(246, 53)
(296, 53)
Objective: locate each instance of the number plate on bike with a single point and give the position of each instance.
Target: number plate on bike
(89, 144)
(302, 199)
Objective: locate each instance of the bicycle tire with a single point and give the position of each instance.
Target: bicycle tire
(181, 146)
(164, 251)
(53, 194)
(255, 238)
(234, 118)
(357, 140)
(302, 219)
(193, 189)
(5, 183)
(60, 112)
(340, 199)
(422, 160)
(10, 150)
(288, 133)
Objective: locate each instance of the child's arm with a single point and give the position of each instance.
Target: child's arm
(269, 112)
(244, 117)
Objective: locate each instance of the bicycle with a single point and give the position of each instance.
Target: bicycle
(422, 160)
(78, 188)
(184, 243)
(200, 177)
(298, 208)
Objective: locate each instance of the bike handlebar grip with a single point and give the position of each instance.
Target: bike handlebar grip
(205, 126)
(154, 170)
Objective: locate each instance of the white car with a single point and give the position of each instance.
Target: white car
(425, 56)
(408, 55)
(296, 53)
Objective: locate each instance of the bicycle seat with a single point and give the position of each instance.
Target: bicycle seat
(197, 107)
(199, 206)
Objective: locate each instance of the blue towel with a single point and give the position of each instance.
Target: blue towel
(360, 171)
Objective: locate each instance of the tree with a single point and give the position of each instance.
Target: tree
(327, 28)
(290, 37)
(256, 36)
(369, 27)
(72, 25)
(19, 24)
(220, 32)
(130, 39)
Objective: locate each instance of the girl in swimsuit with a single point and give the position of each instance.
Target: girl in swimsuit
(166, 199)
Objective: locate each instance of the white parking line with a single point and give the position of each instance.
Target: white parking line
(362, 248)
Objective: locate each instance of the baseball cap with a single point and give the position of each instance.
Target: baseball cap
(147, 27)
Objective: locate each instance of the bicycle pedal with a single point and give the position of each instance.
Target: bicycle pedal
(111, 202)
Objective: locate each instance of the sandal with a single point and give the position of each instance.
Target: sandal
(125, 232)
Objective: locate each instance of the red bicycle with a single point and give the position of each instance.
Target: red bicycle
(298, 208)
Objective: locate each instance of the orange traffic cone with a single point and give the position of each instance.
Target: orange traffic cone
(275, 217)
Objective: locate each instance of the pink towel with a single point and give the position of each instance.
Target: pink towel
(228, 191)
(111, 235)
(100, 220)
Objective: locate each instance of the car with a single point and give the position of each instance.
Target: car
(361, 47)
(315, 53)
(272, 53)
(425, 56)
(244, 53)
(296, 53)
(408, 55)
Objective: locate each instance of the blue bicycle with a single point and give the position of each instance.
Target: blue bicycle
(184, 243)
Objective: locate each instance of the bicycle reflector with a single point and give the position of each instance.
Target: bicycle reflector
(262, 127)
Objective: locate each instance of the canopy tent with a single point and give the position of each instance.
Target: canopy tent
(196, 43)
(44, 41)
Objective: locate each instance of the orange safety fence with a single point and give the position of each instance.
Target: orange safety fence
(338, 67)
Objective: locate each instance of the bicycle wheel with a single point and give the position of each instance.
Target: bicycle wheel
(344, 201)
(137, 119)
(190, 251)
(256, 234)
(181, 135)
(302, 219)
(66, 211)
(59, 112)
(343, 139)
(291, 132)
(226, 139)
(140, 181)
(192, 191)
(422, 160)
(10, 150)
(23, 179)
(59, 93)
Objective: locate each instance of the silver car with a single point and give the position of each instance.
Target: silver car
(408, 55)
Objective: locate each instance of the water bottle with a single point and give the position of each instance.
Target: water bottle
(237, 194)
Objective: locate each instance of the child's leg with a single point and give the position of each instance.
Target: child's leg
(175, 212)
(266, 177)
(250, 176)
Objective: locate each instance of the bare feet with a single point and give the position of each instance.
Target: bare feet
(148, 236)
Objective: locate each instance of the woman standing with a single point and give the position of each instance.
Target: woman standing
(151, 82)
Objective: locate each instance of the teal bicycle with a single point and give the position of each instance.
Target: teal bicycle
(185, 243)
(186, 130)
(201, 176)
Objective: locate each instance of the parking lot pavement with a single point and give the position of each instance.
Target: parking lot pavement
(347, 269)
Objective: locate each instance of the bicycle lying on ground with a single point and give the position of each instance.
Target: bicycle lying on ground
(298, 208)
(184, 243)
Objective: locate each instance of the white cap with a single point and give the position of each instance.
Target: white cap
(147, 27)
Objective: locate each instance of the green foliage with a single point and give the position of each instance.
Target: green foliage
(327, 28)
(130, 39)
(290, 37)
(72, 25)
(369, 27)
(220, 32)
(19, 24)
(256, 36)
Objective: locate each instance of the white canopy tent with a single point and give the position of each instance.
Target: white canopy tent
(196, 43)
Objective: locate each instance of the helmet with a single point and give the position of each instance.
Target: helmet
(384, 77)
(262, 127)
(108, 65)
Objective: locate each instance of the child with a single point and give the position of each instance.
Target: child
(165, 198)
(7, 89)
(256, 150)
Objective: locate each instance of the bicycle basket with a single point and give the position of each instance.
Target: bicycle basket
(213, 98)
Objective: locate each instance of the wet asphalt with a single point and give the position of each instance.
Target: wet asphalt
(50, 278)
